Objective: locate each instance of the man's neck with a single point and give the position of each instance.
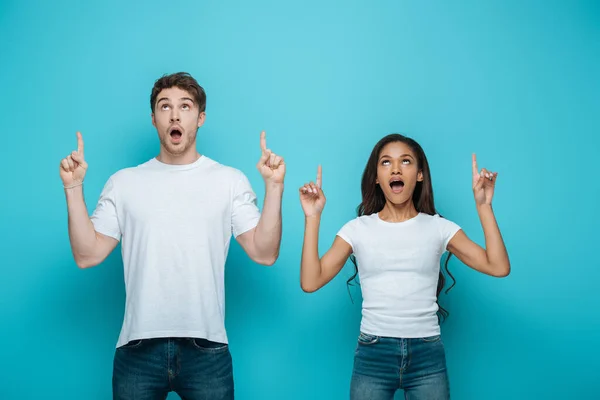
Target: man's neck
(178, 159)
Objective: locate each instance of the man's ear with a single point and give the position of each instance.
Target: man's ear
(201, 119)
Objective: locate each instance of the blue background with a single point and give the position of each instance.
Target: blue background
(516, 82)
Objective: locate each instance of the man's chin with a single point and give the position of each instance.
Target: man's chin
(174, 148)
(177, 150)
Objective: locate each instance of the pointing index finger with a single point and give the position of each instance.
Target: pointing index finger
(319, 176)
(475, 169)
(79, 143)
(263, 141)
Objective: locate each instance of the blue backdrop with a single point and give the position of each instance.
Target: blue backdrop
(516, 82)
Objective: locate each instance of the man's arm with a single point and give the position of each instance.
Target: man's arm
(89, 247)
(262, 243)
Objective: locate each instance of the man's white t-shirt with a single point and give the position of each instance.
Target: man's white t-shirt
(175, 223)
(398, 266)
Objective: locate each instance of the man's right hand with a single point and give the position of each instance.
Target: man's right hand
(73, 167)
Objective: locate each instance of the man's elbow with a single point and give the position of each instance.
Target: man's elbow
(267, 261)
(308, 288)
(82, 264)
(85, 262)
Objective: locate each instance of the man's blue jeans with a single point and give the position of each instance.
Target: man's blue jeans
(196, 369)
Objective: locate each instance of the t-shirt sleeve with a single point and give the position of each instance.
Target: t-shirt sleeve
(244, 211)
(105, 218)
(348, 233)
(447, 230)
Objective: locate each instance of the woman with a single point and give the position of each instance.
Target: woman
(397, 242)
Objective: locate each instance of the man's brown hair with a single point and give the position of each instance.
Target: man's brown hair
(183, 81)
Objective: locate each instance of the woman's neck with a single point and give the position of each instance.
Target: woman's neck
(398, 212)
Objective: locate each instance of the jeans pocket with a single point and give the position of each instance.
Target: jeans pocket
(209, 346)
(367, 339)
(431, 339)
(133, 344)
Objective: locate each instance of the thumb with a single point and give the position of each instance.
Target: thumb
(479, 183)
(78, 158)
(263, 158)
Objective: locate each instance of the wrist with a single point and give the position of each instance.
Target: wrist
(313, 218)
(274, 187)
(73, 192)
(483, 207)
(73, 185)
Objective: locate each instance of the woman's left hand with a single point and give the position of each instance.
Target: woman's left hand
(484, 182)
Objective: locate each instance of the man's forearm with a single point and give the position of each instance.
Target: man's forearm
(267, 236)
(81, 230)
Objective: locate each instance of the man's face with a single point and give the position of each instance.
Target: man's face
(177, 118)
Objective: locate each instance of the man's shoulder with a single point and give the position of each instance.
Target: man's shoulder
(208, 168)
(127, 172)
(125, 175)
(224, 171)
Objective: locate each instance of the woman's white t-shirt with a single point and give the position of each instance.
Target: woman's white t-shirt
(398, 267)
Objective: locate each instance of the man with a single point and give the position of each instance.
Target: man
(174, 216)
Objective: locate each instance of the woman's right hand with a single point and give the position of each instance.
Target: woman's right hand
(312, 197)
